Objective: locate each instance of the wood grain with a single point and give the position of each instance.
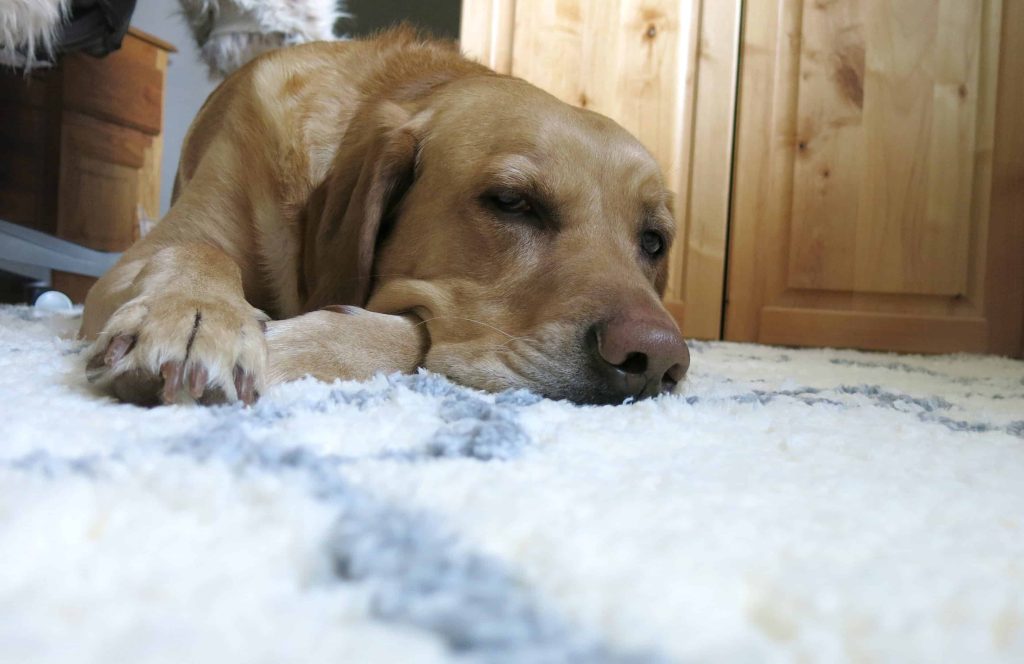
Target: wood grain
(29, 149)
(762, 178)
(75, 286)
(866, 175)
(1004, 275)
(886, 133)
(99, 183)
(124, 87)
(872, 331)
(149, 174)
(485, 32)
(109, 120)
(708, 167)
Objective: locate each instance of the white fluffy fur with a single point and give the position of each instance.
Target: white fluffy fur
(232, 32)
(28, 25)
(789, 506)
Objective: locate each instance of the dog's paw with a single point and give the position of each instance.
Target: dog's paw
(344, 342)
(176, 349)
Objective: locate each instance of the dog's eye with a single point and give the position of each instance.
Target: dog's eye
(511, 203)
(652, 243)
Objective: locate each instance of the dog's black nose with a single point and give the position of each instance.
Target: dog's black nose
(639, 353)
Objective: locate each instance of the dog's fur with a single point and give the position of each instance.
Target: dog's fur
(366, 174)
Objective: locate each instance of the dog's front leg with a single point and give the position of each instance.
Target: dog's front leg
(174, 326)
(344, 342)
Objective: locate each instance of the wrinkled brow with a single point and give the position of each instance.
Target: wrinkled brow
(663, 198)
(660, 220)
(658, 215)
(515, 172)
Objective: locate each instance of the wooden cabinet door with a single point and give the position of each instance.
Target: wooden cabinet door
(663, 69)
(879, 175)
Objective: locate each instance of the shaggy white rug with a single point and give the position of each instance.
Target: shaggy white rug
(787, 506)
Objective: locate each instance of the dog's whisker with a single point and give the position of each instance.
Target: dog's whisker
(504, 345)
(471, 320)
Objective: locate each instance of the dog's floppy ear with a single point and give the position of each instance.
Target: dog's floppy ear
(345, 215)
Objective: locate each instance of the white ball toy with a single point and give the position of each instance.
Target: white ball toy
(54, 301)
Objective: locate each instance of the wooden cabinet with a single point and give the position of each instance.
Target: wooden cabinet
(877, 156)
(80, 151)
(847, 173)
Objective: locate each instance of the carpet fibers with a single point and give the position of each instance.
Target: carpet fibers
(784, 506)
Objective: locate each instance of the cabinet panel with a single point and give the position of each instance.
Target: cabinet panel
(867, 176)
(887, 126)
(486, 32)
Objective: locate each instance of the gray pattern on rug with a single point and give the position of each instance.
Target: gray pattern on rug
(786, 504)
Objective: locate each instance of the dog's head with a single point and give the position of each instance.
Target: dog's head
(530, 237)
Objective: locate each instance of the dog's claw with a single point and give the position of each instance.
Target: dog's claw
(173, 373)
(198, 376)
(245, 386)
(118, 348)
(95, 368)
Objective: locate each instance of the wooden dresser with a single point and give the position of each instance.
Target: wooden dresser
(80, 148)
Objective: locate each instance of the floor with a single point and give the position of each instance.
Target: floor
(786, 505)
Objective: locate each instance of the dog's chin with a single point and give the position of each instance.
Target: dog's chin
(583, 394)
(573, 382)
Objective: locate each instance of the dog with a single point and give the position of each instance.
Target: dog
(346, 208)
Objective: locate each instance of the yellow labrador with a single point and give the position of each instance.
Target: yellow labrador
(392, 205)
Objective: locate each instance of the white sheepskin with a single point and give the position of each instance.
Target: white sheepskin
(785, 506)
